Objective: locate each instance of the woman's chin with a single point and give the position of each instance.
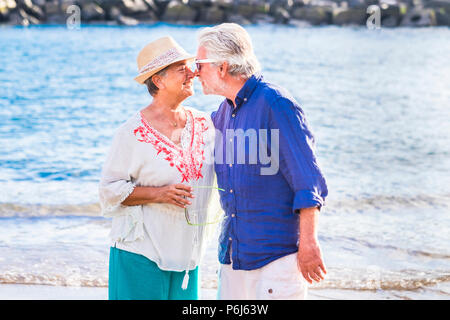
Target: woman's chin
(189, 90)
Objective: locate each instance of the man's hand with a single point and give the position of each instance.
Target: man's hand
(309, 257)
(310, 262)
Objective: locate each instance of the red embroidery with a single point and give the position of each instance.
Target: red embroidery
(188, 162)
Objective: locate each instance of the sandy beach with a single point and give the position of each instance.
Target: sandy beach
(45, 292)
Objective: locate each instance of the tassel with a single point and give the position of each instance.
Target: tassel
(185, 280)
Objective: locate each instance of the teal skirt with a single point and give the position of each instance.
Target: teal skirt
(135, 277)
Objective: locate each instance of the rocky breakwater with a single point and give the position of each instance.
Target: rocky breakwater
(385, 13)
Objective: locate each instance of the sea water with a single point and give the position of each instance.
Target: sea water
(378, 102)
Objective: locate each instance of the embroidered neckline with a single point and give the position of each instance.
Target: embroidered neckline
(163, 138)
(188, 159)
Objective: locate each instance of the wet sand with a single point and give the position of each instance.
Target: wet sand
(45, 292)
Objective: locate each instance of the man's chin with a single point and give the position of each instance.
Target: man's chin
(206, 90)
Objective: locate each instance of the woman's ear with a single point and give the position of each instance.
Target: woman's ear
(158, 82)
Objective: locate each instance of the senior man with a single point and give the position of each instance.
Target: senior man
(268, 247)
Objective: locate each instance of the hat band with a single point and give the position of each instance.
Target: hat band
(164, 59)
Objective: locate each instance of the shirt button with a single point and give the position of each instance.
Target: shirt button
(229, 238)
(233, 115)
(245, 99)
(231, 140)
(231, 165)
(231, 190)
(233, 215)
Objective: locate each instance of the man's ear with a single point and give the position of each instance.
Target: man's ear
(158, 82)
(223, 69)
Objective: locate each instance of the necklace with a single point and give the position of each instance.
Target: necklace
(174, 123)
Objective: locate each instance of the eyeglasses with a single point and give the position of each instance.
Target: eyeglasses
(198, 63)
(186, 211)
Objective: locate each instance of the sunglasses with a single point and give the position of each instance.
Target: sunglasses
(198, 63)
(186, 211)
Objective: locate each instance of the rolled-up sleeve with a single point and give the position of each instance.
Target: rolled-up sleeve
(298, 162)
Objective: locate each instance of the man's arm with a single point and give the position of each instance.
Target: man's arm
(299, 166)
(309, 257)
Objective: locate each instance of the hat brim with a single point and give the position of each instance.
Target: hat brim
(142, 77)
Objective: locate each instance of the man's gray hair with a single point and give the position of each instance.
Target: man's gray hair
(231, 43)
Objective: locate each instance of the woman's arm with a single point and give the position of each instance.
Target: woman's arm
(174, 194)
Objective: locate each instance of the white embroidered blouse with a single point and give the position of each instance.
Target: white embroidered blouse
(142, 156)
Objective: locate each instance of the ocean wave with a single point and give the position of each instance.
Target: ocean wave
(9, 210)
(357, 204)
(378, 246)
(66, 280)
(386, 202)
(343, 279)
(379, 279)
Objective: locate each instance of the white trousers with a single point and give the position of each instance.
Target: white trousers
(278, 280)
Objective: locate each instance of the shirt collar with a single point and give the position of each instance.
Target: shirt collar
(247, 89)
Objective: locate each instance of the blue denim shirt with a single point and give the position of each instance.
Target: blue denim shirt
(262, 198)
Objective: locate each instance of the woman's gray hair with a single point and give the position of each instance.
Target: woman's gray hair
(231, 43)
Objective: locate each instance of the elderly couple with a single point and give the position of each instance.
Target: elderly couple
(159, 180)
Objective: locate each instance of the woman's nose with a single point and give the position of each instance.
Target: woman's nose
(190, 74)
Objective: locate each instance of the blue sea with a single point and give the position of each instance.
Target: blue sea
(378, 102)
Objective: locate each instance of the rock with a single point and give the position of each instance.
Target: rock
(350, 16)
(313, 15)
(132, 7)
(442, 11)
(127, 21)
(390, 15)
(4, 11)
(31, 9)
(92, 11)
(237, 18)
(65, 4)
(52, 8)
(121, 19)
(10, 4)
(211, 15)
(249, 8)
(21, 18)
(151, 5)
(442, 17)
(417, 17)
(436, 4)
(179, 12)
(281, 15)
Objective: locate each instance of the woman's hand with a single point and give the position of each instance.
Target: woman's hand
(176, 194)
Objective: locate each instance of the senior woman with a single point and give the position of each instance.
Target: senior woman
(157, 182)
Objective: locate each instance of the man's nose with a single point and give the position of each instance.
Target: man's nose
(191, 74)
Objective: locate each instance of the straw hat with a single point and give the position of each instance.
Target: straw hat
(157, 55)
